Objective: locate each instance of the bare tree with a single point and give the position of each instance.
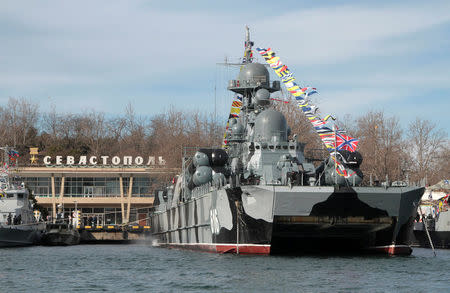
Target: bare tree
(115, 128)
(170, 129)
(28, 117)
(177, 129)
(381, 145)
(426, 146)
(136, 130)
(50, 122)
(95, 131)
(19, 122)
(443, 164)
(3, 126)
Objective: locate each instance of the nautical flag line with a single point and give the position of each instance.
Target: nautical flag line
(301, 95)
(334, 140)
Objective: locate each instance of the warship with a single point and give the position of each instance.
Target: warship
(258, 194)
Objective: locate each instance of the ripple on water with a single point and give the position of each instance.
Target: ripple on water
(126, 268)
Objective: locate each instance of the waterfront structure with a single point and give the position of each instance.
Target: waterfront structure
(106, 194)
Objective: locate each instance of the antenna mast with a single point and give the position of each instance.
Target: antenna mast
(248, 56)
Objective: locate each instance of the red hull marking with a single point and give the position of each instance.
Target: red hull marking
(223, 248)
(393, 249)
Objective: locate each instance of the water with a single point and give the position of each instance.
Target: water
(141, 267)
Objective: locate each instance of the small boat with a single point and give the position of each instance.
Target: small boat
(434, 216)
(60, 234)
(18, 226)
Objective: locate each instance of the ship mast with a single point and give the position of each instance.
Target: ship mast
(248, 56)
(5, 164)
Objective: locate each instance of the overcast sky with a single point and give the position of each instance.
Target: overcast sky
(360, 55)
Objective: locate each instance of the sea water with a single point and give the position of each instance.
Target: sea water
(143, 268)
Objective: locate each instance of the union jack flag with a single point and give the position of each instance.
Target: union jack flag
(345, 142)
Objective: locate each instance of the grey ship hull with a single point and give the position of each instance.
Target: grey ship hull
(11, 236)
(280, 219)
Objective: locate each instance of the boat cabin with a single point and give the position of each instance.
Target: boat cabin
(15, 206)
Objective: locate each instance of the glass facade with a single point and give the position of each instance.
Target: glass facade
(108, 215)
(41, 186)
(89, 186)
(96, 194)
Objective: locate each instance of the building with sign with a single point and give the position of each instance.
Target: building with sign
(106, 190)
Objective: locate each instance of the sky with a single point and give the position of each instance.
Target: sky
(391, 56)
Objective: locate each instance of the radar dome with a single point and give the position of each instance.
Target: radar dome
(254, 73)
(262, 97)
(271, 125)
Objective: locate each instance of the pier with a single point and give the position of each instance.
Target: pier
(113, 234)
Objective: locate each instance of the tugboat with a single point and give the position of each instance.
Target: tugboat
(18, 226)
(258, 194)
